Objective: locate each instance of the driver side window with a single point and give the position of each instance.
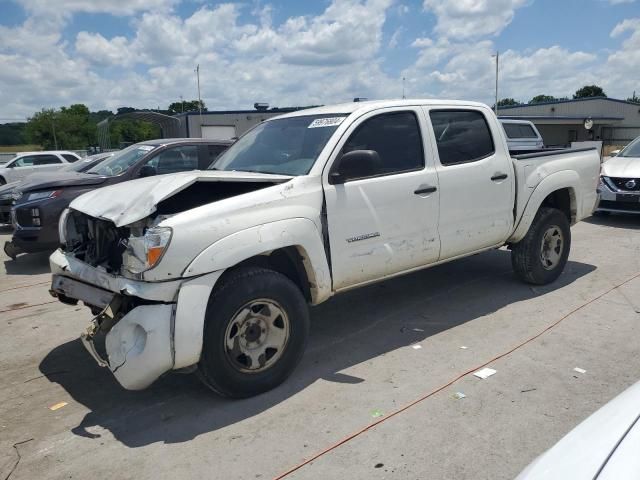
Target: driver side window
(24, 162)
(395, 137)
(172, 160)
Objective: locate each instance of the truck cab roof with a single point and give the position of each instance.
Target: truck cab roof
(371, 105)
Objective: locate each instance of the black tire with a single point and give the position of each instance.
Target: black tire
(2, 181)
(526, 255)
(217, 369)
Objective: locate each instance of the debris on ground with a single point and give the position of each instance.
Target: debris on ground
(579, 370)
(58, 406)
(528, 390)
(377, 414)
(378, 465)
(463, 347)
(416, 347)
(485, 373)
(459, 395)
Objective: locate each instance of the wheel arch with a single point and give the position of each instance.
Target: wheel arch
(292, 247)
(558, 190)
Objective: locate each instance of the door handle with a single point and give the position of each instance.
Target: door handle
(499, 176)
(423, 190)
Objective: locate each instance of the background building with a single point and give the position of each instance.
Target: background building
(615, 122)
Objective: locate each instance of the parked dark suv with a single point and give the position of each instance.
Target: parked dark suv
(36, 213)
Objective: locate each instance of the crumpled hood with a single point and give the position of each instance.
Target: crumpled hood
(128, 202)
(622, 167)
(41, 181)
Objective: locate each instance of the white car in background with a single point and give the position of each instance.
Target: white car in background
(619, 186)
(26, 163)
(522, 135)
(604, 447)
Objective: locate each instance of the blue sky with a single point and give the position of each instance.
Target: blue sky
(142, 52)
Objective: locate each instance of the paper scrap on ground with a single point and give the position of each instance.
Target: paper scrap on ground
(463, 347)
(377, 414)
(58, 406)
(459, 395)
(416, 347)
(484, 373)
(418, 330)
(579, 370)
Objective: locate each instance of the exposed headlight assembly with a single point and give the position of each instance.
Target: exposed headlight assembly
(145, 252)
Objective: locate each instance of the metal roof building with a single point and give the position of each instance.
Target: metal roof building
(615, 122)
(226, 124)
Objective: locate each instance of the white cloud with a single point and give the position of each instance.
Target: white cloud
(621, 71)
(114, 7)
(460, 19)
(245, 57)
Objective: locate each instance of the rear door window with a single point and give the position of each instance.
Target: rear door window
(461, 136)
(46, 160)
(70, 158)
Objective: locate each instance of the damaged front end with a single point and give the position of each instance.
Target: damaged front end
(138, 343)
(127, 251)
(102, 265)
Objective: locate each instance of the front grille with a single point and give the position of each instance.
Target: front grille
(610, 204)
(626, 184)
(28, 217)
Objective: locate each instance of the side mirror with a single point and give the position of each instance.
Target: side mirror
(147, 171)
(353, 165)
(614, 153)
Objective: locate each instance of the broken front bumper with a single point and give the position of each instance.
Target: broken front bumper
(151, 327)
(138, 343)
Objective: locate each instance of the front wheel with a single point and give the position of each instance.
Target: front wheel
(256, 329)
(540, 257)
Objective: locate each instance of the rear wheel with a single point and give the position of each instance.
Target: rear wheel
(2, 181)
(256, 329)
(540, 257)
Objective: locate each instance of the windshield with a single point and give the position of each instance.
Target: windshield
(121, 161)
(631, 150)
(86, 163)
(288, 146)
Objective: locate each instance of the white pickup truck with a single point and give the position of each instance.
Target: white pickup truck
(213, 270)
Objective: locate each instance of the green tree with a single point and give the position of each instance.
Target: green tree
(589, 91)
(634, 98)
(66, 128)
(507, 102)
(127, 130)
(186, 106)
(542, 98)
(13, 133)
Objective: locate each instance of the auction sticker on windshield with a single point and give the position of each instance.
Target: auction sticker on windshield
(326, 122)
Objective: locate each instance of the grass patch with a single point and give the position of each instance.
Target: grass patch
(20, 148)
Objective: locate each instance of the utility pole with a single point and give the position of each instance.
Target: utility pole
(182, 103)
(199, 99)
(497, 66)
(53, 128)
(403, 95)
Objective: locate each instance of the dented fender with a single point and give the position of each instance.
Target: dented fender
(300, 233)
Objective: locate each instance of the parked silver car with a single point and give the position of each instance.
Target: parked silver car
(619, 186)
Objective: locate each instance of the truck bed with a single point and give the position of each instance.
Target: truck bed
(580, 164)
